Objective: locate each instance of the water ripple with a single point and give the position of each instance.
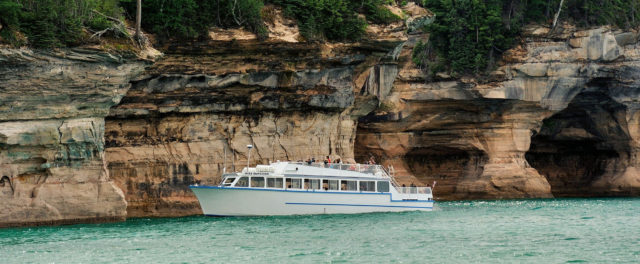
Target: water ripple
(548, 230)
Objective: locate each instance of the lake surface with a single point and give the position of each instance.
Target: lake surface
(520, 231)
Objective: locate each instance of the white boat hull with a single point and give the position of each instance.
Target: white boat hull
(230, 201)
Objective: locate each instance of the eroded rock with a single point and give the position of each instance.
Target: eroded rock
(472, 137)
(52, 108)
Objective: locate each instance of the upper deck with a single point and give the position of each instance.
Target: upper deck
(303, 169)
(319, 177)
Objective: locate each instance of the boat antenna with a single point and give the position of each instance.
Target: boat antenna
(249, 158)
(224, 170)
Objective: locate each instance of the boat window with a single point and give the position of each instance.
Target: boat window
(367, 186)
(315, 184)
(349, 185)
(383, 186)
(325, 185)
(306, 184)
(243, 182)
(294, 183)
(229, 180)
(333, 185)
(257, 182)
(274, 182)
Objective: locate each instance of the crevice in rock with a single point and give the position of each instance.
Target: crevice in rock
(5, 180)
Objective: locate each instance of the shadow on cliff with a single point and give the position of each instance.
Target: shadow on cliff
(446, 165)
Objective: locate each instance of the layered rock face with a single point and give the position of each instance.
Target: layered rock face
(557, 118)
(52, 108)
(89, 136)
(589, 147)
(198, 109)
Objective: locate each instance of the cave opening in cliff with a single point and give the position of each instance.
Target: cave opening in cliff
(582, 143)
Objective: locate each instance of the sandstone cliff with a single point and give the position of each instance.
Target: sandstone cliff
(52, 109)
(559, 117)
(90, 136)
(173, 127)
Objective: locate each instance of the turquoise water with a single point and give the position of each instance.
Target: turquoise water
(521, 231)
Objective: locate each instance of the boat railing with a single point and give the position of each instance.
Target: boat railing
(414, 190)
(391, 173)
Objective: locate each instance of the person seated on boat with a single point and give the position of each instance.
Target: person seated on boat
(327, 162)
(372, 161)
(308, 161)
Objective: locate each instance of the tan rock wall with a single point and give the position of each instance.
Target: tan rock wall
(475, 136)
(154, 161)
(52, 108)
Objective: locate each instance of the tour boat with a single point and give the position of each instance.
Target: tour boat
(295, 188)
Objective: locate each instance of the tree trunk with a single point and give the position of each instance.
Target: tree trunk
(555, 19)
(138, 18)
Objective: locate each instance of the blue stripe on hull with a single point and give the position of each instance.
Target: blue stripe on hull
(368, 205)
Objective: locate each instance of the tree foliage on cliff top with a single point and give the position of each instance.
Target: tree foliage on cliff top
(317, 19)
(467, 36)
(190, 19)
(336, 19)
(586, 13)
(55, 23)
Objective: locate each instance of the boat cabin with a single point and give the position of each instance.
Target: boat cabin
(319, 177)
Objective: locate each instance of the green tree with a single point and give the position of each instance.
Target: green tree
(586, 13)
(469, 34)
(320, 20)
(189, 19)
(9, 19)
(55, 23)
